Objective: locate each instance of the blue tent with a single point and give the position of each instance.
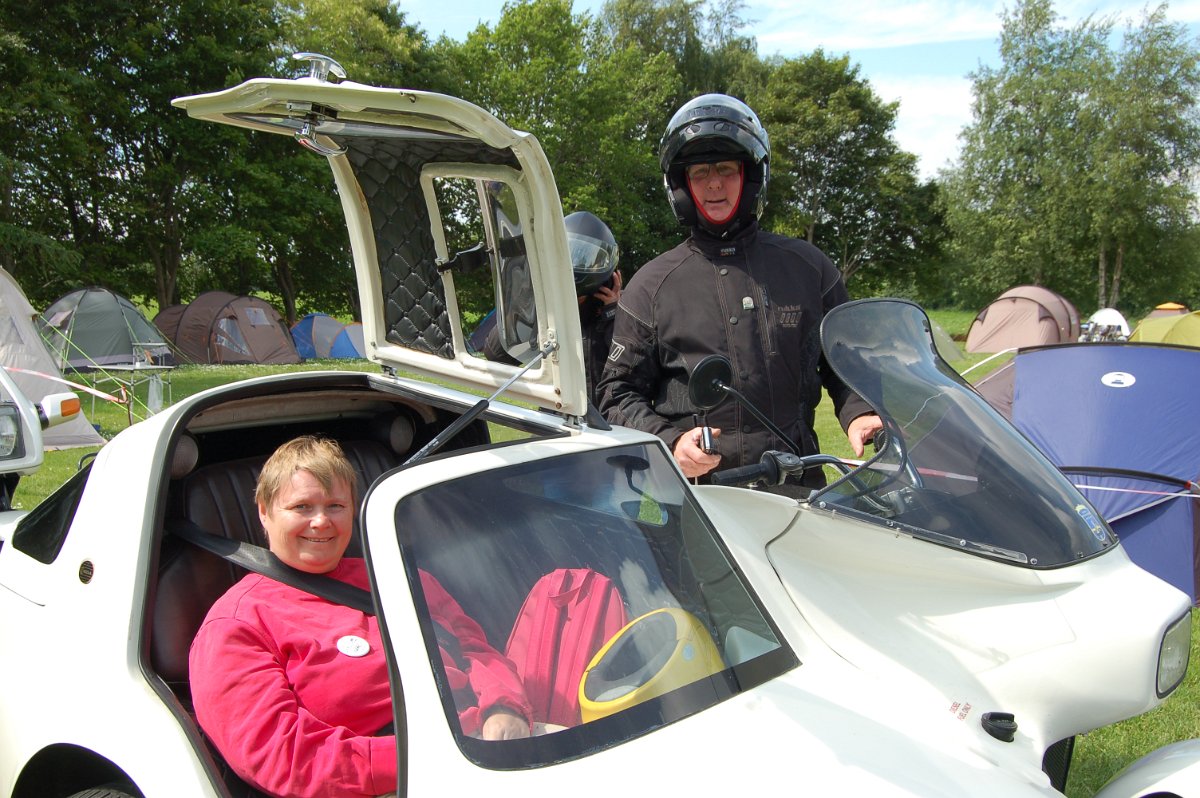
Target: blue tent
(477, 339)
(349, 341)
(1120, 420)
(321, 335)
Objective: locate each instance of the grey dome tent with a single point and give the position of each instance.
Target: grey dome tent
(219, 327)
(91, 328)
(32, 367)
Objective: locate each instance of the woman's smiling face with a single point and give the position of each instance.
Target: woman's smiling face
(307, 526)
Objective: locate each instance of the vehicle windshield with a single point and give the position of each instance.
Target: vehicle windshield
(600, 577)
(951, 469)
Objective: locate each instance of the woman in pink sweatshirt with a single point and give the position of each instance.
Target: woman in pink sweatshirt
(293, 689)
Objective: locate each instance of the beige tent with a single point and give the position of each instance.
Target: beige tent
(32, 367)
(1028, 315)
(219, 327)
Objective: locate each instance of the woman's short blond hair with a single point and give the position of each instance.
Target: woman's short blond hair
(321, 457)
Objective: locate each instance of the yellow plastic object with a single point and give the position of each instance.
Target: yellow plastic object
(651, 655)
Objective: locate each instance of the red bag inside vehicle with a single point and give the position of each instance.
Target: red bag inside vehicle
(566, 618)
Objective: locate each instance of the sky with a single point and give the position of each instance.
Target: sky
(917, 52)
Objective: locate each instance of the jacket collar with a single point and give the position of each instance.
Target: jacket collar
(714, 247)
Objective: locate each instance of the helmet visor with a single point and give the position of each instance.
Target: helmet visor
(591, 255)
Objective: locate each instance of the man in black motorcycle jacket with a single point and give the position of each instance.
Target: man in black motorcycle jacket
(731, 289)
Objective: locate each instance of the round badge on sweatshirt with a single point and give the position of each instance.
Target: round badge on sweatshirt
(353, 646)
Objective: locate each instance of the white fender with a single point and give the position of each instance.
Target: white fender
(1171, 770)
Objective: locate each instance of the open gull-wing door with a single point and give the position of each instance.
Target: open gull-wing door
(419, 174)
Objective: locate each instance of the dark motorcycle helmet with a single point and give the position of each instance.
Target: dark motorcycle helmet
(709, 128)
(594, 252)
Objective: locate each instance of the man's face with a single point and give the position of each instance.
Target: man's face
(716, 188)
(308, 527)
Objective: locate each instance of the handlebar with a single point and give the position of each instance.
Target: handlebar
(743, 476)
(773, 468)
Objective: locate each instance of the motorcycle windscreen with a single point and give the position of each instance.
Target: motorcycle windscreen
(952, 470)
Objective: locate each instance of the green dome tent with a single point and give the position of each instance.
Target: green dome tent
(1183, 330)
(93, 328)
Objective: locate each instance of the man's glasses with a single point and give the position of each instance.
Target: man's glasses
(724, 169)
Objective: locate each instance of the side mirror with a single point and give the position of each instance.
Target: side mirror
(56, 408)
(709, 384)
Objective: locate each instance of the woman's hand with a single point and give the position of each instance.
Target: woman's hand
(504, 724)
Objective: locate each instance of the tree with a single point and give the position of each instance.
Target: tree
(372, 40)
(1078, 159)
(1147, 143)
(838, 179)
(109, 169)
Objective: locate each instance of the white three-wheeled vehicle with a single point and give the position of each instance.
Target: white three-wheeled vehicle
(941, 621)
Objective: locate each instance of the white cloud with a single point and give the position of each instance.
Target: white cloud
(783, 26)
(931, 86)
(788, 28)
(933, 110)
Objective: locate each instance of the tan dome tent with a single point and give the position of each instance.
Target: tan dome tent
(219, 327)
(1028, 315)
(33, 368)
(167, 320)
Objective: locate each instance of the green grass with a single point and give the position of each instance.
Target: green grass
(955, 322)
(1099, 755)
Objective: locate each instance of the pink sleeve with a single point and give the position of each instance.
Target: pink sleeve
(245, 705)
(493, 676)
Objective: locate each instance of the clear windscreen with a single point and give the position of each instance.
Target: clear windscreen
(950, 469)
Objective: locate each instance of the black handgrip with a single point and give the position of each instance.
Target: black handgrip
(742, 475)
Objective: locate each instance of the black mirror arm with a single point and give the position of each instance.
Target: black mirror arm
(766, 422)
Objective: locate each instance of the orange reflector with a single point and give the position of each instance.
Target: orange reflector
(70, 407)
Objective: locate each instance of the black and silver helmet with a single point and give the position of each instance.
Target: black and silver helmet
(594, 251)
(708, 128)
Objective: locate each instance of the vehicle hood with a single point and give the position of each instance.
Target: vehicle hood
(387, 148)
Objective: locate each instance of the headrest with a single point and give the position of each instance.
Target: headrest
(185, 456)
(400, 434)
